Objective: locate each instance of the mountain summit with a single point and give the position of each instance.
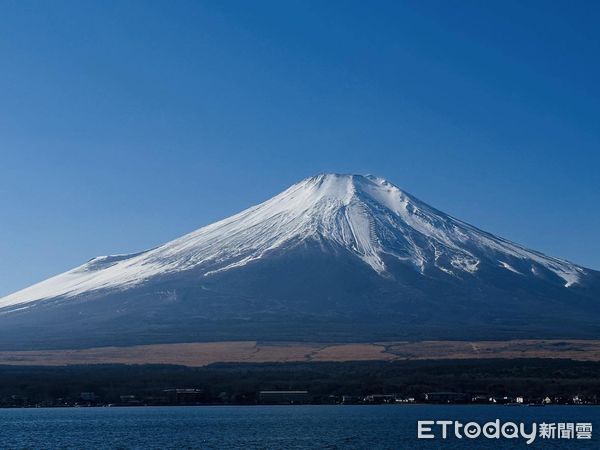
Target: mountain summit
(333, 257)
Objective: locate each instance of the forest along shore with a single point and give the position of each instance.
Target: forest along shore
(483, 381)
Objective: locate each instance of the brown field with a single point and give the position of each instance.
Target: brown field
(201, 354)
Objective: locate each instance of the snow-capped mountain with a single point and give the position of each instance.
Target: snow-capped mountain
(345, 246)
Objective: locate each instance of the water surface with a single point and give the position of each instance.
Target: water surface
(271, 427)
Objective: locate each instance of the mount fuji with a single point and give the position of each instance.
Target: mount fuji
(334, 258)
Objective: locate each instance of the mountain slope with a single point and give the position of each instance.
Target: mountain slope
(332, 257)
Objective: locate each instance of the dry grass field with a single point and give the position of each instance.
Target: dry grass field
(201, 354)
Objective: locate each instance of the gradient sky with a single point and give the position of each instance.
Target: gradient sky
(126, 124)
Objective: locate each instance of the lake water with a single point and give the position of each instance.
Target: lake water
(274, 427)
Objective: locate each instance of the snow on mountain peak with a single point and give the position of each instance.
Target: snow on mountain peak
(366, 215)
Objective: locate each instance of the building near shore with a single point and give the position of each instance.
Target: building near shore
(184, 396)
(283, 397)
(447, 397)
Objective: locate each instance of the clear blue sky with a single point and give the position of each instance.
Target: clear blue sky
(126, 124)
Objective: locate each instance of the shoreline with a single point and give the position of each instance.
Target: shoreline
(237, 405)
